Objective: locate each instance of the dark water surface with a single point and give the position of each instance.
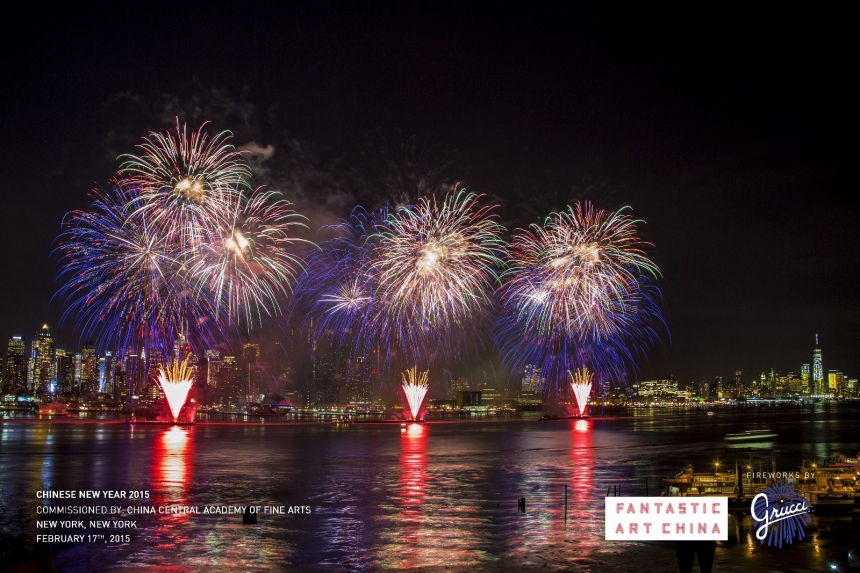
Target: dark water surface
(383, 496)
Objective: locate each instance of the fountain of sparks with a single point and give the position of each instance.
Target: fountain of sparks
(580, 383)
(415, 388)
(176, 381)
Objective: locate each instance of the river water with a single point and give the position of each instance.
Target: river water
(382, 496)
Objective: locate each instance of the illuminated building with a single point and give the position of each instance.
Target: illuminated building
(835, 381)
(357, 381)
(107, 373)
(43, 361)
(661, 389)
(251, 368)
(155, 358)
(817, 369)
(64, 372)
(15, 369)
(89, 370)
(805, 379)
(213, 367)
(532, 379)
(15, 377)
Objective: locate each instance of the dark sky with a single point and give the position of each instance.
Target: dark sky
(732, 133)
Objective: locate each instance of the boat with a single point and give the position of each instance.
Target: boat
(702, 484)
(751, 436)
(55, 409)
(832, 487)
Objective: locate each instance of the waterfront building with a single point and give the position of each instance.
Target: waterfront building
(805, 379)
(666, 389)
(89, 370)
(532, 380)
(64, 371)
(43, 361)
(817, 369)
(213, 367)
(835, 381)
(15, 376)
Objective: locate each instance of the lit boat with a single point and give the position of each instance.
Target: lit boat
(751, 436)
(53, 409)
(832, 487)
(693, 484)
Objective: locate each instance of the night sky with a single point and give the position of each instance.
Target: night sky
(733, 134)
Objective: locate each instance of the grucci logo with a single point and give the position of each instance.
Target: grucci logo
(780, 515)
(667, 518)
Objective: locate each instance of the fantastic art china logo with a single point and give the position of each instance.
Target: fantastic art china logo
(780, 515)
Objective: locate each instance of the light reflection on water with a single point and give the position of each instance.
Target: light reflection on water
(382, 496)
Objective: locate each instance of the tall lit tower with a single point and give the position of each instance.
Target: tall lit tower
(817, 369)
(43, 361)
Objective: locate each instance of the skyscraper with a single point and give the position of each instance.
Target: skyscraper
(89, 370)
(805, 379)
(64, 371)
(43, 361)
(15, 378)
(817, 369)
(213, 367)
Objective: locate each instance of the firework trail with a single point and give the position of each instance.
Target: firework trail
(436, 264)
(415, 388)
(579, 291)
(580, 383)
(176, 381)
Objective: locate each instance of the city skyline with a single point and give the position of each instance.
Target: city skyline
(46, 363)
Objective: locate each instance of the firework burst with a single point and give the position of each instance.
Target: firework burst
(122, 279)
(436, 265)
(415, 389)
(250, 267)
(188, 184)
(579, 291)
(177, 246)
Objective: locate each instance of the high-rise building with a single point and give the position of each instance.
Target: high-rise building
(805, 379)
(89, 370)
(64, 371)
(835, 381)
(15, 378)
(79, 370)
(43, 361)
(213, 367)
(531, 379)
(107, 373)
(738, 384)
(817, 369)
